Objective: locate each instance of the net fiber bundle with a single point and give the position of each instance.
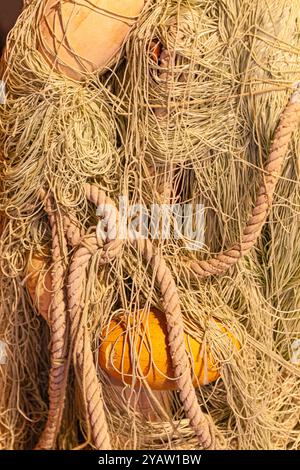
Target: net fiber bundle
(199, 104)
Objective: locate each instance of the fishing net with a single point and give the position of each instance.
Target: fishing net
(200, 107)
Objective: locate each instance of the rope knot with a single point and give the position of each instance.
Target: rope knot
(108, 224)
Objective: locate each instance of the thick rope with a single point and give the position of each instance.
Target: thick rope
(198, 420)
(59, 333)
(73, 233)
(288, 124)
(82, 353)
(83, 356)
(180, 361)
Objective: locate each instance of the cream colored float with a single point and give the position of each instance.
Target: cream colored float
(77, 38)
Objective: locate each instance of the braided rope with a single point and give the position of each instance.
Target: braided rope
(73, 233)
(58, 326)
(82, 353)
(288, 124)
(83, 356)
(180, 361)
(199, 422)
(108, 212)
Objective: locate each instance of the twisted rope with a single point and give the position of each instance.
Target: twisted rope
(289, 121)
(180, 361)
(73, 232)
(82, 353)
(59, 334)
(199, 422)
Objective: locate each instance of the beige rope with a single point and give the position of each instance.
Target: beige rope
(198, 420)
(180, 361)
(83, 356)
(288, 124)
(82, 353)
(58, 326)
(73, 233)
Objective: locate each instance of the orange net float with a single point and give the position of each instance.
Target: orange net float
(146, 344)
(39, 284)
(77, 38)
(124, 342)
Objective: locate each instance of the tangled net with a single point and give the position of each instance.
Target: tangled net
(199, 108)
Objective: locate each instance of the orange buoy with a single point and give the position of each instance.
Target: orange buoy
(144, 348)
(155, 50)
(39, 284)
(83, 37)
